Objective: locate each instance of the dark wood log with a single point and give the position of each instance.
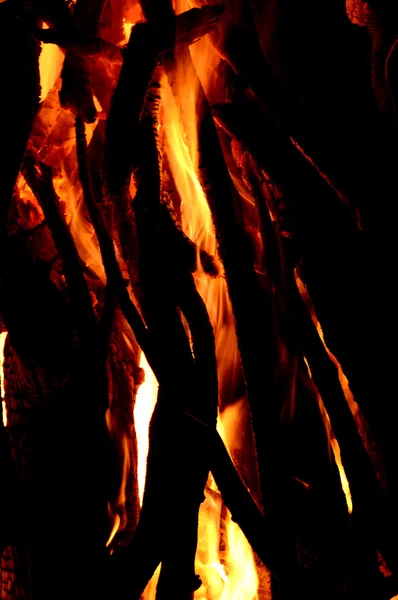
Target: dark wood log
(72, 454)
(20, 75)
(345, 265)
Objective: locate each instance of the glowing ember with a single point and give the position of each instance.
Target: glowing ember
(143, 409)
(2, 390)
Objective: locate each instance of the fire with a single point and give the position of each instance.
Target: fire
(143, 409)
(347, 392)
(51, 60)
(224, 559)
(234, 575)
(334, 445)
(2, 390)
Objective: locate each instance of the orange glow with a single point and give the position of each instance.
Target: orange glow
(2, 390)
(143, 409)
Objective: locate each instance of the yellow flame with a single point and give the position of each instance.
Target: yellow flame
(143, 409)
(243, 580)
(2, 390)
(127, 27)
(51, 60)
(334, 445)
(224, 559)
(230, 574)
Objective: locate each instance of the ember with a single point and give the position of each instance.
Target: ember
(197, 300)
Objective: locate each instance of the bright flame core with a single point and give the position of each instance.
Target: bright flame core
(2, 390)
(51, 60)
(143, 409)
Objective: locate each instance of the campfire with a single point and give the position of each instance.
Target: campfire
(197, 300)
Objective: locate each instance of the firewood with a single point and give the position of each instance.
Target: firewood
(82, 466)
(161, 281)
(86, 44)
(359, 469)
(252, 311)
(56, 14)
(20, 73)
(236, 495)
(301, 416)
(189, 26)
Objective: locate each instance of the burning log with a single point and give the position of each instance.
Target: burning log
(252, 311)
(55, 425)
(236, 119)
(243, 509)
(71, 359)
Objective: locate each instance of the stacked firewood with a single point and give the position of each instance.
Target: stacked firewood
(95, 266)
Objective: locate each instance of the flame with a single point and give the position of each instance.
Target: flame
(342, 377)
(143, 409)
(334, 445)
(117, 512)
(127, 27)
(2, 390)
(51, 60)
(347, 392)
(231, 573)
(224, 559)
(360, 420)
(115, 527)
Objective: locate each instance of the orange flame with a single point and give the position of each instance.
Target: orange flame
(334, 445)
